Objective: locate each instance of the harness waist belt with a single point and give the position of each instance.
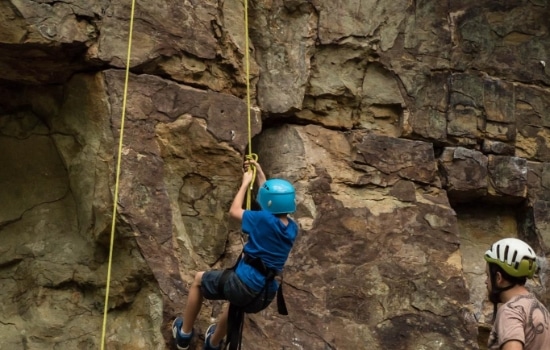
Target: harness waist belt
(259, 265)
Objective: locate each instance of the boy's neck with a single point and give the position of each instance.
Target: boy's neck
(283, 218)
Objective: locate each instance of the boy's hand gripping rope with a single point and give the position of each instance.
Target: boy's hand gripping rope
(253, 157)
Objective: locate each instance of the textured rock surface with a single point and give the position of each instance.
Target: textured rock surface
(416, 134)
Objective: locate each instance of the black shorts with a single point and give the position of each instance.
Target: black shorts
(234, 291)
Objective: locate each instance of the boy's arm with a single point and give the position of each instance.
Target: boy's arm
(236, 211)
(260, 176)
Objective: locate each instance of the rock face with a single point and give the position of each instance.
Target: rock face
(416, 135)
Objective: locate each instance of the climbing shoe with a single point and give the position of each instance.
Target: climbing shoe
(209, 333)
(182, 340)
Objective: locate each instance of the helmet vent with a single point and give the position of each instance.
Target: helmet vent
(515, 256)
(506, 253)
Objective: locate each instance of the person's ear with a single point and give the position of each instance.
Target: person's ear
(498, 278)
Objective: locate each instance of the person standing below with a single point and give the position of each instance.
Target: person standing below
(271, 235)
(521, 321)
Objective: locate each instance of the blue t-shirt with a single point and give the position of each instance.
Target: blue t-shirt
(268, 239)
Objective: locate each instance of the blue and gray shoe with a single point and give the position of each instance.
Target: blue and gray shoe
(182, 340)
(209, 332)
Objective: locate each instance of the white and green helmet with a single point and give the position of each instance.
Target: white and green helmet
(514, 256)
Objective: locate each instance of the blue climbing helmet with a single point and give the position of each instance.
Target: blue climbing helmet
(277, 196)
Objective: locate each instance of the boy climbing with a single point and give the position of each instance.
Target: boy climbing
(250, 285)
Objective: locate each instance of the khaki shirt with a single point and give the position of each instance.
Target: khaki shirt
(522, 318)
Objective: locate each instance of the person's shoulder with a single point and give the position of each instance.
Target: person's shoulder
(518, 305)
(258, 214)
(539, 304)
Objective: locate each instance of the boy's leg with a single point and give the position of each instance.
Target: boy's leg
(194, 303)
(221, 327)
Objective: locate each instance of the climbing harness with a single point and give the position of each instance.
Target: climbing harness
(236, 314)
(117, 180)
(269, 274)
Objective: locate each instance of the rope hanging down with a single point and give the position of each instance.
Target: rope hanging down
(117, 180)
(250, 156)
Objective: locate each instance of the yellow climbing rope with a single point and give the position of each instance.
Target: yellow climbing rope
(117, 180)
(250, 156)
